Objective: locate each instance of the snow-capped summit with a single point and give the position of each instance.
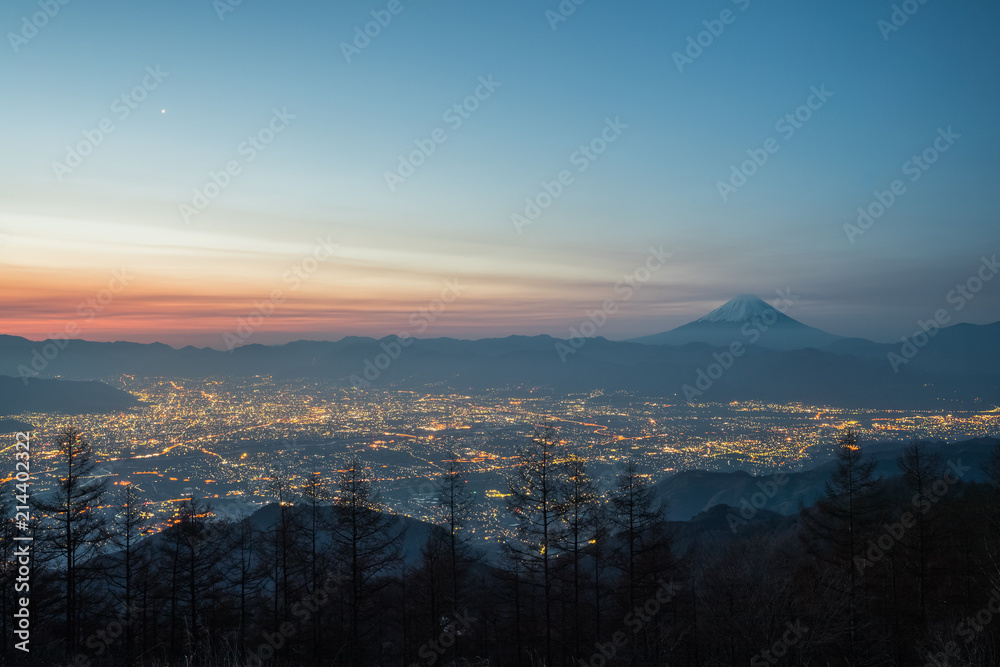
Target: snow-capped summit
(748, 320)
(741, 309)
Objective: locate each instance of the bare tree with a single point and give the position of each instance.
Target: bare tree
(456, 503)
(242, 570)
(638, 517)
(316, 494)
(583, 527)
(73, 528)
(836, 528)
(920, 471)
(536, 499)
(368, 542)
(128, 527)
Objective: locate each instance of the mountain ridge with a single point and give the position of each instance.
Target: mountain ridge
(811, 375)
(749, 320)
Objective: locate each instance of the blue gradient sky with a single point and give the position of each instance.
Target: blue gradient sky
(324, 176)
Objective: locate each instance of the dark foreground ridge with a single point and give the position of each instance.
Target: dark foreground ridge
(893, 563)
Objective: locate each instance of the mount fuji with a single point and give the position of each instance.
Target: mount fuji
(747, 319)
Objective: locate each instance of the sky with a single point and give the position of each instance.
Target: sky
(174, 169)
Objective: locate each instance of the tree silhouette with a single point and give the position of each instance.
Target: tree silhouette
(837, 528)
(73, 529)
(582, 517)
(127, 559)
(536, 499)
(368, 542)
(638, 517)
(455, 502)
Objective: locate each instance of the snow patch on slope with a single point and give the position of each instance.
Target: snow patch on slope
(741, 309)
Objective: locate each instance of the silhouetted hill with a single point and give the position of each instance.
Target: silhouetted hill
(960, 349)
(691, 492)
(61, 396)
(15, 426)
(414, 536)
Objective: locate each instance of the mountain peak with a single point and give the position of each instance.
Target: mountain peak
(741, 309)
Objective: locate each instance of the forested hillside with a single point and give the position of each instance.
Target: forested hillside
(894, 570)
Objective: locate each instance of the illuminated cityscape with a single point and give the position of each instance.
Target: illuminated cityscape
(228, 440)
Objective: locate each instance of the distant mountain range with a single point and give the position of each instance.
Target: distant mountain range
(960, 349)
(748, 319)
(779, 359)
